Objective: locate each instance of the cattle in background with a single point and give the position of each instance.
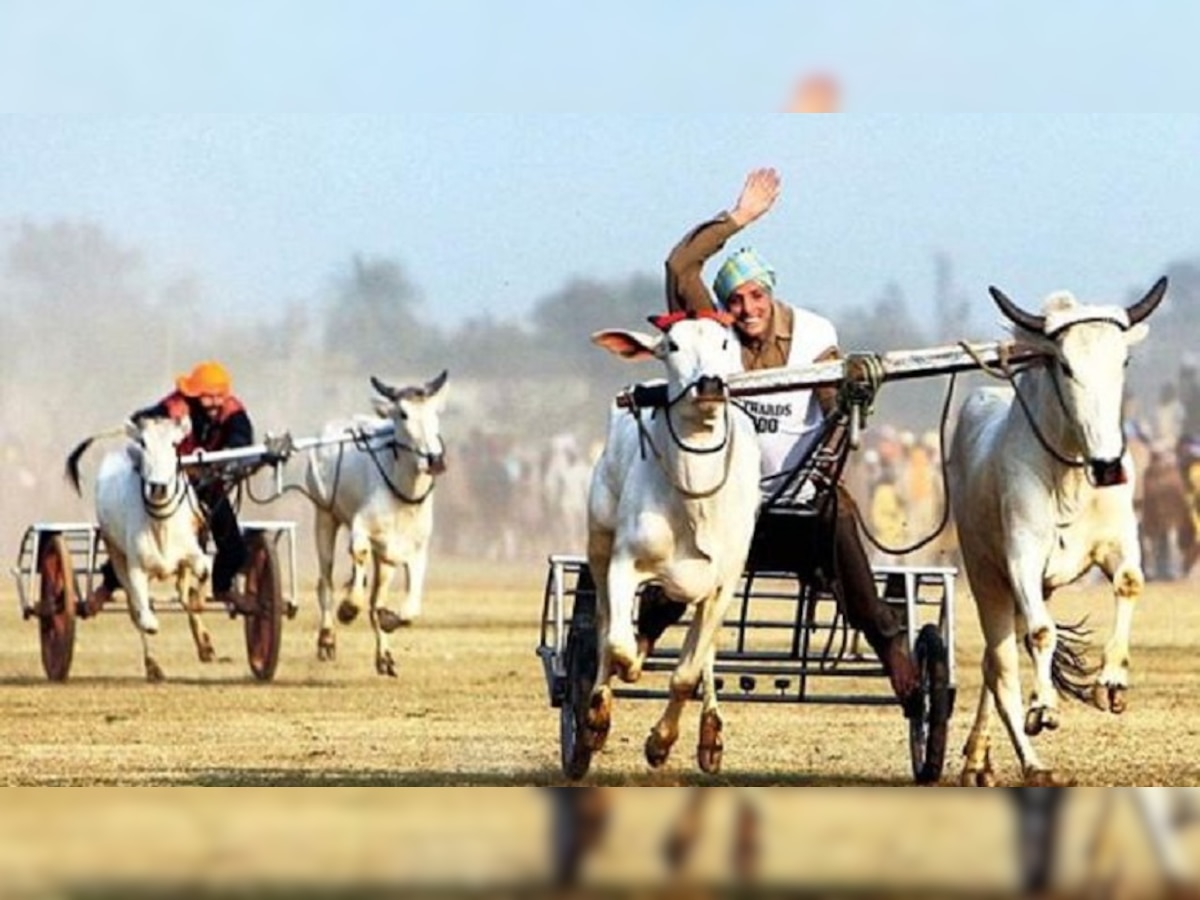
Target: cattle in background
(1041, 476)
(149, 518)
(381, 489)
(673, 501)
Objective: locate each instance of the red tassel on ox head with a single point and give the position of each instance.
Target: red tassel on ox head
(664, 322)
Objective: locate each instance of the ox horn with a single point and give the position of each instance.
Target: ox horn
(1149, 303)
(1028, 321)
(384, 389)
(436, 385)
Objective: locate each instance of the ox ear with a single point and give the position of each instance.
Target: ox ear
(383, 408)
(1137, 333)
(183, 427)
(132, 430)
(630, 345)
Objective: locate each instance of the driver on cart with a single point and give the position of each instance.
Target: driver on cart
(219, 422)
(825, 547)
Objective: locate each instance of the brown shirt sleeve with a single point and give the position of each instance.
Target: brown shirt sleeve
(686, 290)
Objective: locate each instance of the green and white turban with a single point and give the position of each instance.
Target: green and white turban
(745, 265)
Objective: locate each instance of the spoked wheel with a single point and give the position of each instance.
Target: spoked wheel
(928, 722)
(580, 660)
(264, 626)
(581, 674)
(56, 606)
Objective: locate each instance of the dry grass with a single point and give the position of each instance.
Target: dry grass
(469, 709)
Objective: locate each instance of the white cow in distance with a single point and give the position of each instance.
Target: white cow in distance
(1043, 478)
(380, 488)
(149, 517)
(673, 500)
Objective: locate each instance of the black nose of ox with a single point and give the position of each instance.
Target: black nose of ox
(1107, 472)
(710, 387)
(156, 493)
(437, 464)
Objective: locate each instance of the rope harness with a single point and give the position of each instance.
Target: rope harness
(639, 398)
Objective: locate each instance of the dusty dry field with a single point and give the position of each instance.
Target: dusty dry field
(469, 706)
(470, 709)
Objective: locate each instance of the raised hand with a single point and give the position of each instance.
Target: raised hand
(758, 196)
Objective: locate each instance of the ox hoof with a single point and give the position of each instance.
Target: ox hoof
(599, 720)
(347, 612)
(1039, 719)
(977, 778)
(658, 750)
(975, 774)
(710, 748)
(154, 672)
(1047, 778)
(1113, 698)
(207, 652)
(385, 665)
(326, 645)
(388, 621)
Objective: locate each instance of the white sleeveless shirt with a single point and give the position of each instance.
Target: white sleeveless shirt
(788, 424)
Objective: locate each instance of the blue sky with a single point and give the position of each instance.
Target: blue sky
(259, 143)
(489, 213)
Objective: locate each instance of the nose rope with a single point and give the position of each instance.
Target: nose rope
(646, 440)
(1007, 373)
(364, 444)
(167, 508)
(678, 441)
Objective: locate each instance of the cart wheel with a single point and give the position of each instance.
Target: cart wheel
(927, 724)
(264, 627)
(572, 715)
(56, 608)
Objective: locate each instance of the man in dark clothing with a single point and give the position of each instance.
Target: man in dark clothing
(825, 546)
(219, 422)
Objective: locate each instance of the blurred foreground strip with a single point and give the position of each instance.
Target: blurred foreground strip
(291, 841)
(501, 842)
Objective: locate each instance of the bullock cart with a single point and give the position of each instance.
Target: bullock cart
(58, 563)
(786, 641)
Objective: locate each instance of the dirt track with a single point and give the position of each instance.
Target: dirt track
(469, 709)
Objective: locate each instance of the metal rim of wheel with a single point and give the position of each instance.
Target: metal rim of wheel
(56, 606)
(581, 666)
(264, 627)
(928, 725)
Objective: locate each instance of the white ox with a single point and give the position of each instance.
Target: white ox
(381, 489)
(1041, 489)
(149, 518)
(673, 500)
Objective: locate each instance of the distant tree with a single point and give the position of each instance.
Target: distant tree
(565, 321)
(77, 269)
(884, 324)
(78, 302)
(372, 320)
(952, 309)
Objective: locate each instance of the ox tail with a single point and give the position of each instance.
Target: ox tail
(72, 469)
(1071, 671)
